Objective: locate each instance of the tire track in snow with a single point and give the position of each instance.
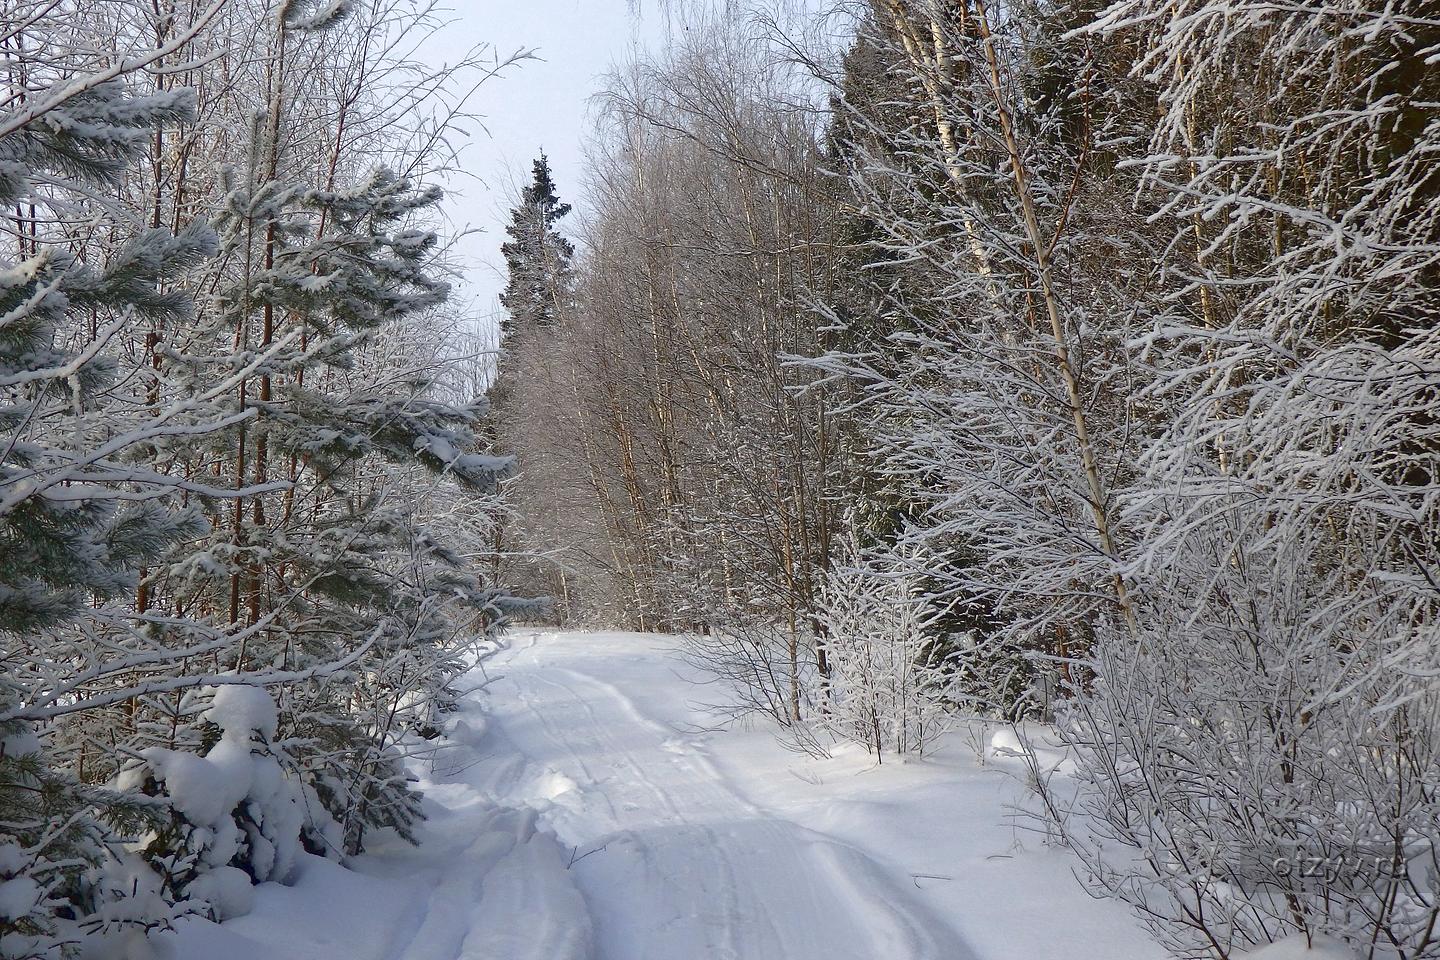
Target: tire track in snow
(689, 867)
(495, 886)
(590, 738)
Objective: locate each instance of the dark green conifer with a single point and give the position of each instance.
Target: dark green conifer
(537, 255)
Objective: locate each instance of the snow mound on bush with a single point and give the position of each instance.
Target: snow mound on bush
(243, 709)
(227, 890)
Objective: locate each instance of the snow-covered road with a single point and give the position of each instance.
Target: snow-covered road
(678, 862)
(581, 810)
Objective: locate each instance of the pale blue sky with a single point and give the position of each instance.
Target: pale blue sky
(540, 103)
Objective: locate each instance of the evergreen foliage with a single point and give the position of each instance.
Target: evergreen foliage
(241, 506)
(537, 255)
(77, 517)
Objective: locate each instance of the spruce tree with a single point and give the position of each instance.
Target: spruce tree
(537, 293)
(537, 255)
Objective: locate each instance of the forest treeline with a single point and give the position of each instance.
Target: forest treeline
(1063, 361)
(244, 480)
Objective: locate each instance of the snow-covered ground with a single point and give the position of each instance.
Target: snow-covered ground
(581, 808)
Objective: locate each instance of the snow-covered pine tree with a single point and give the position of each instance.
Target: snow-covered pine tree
(78, 515)
(329, 570)
(295, 406)
(340, 567)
